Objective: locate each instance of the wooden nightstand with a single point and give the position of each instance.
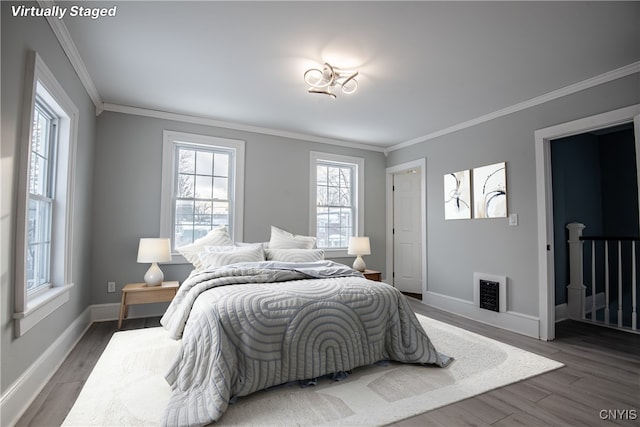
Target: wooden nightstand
(140, 293)
(373, 275)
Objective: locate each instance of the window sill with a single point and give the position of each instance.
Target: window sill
(336, 253)
(40, 307)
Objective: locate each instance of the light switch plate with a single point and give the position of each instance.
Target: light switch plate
(513, 219)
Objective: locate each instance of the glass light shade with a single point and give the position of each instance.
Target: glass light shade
(359, 246)
(323, 80)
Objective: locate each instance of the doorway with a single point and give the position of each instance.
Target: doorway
(546, 246)
(406, 228)
(594, 182)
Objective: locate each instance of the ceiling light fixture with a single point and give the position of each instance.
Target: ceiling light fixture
(323, 81)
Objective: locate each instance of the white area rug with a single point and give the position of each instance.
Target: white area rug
(127, 386)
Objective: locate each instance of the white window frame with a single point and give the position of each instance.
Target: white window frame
(358, 163)
(30, 309)
(236, 188)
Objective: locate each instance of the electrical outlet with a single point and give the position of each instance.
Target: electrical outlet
(111, 287)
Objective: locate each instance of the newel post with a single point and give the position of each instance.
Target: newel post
(576, 290)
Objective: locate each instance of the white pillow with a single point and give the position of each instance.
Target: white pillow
(264, 245)
(211, 249)
(219, 259)
(295, 255)
(282, 239)
(217, 237)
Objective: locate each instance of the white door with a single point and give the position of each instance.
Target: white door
(407, 233)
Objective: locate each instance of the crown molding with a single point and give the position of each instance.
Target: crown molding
(70, 49)
(607, 77)
(186, 118)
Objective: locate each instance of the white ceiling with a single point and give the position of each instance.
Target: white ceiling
(424, 66)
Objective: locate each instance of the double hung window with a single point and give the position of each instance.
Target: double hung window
(336, 200)
(44, 249)
(202, 185)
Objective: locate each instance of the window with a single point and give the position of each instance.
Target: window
(202, 187)
(45, 199)
(201, 198)
(41, 192)
(336, 190)
(335, 207)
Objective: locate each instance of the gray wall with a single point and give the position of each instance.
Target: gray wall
(19, 35)
(456, 249)
(128, 186)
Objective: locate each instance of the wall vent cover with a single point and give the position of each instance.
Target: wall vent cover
(489, 295)
(496, 292)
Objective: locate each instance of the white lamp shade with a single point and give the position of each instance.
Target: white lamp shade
(154, 250)
(359, 246)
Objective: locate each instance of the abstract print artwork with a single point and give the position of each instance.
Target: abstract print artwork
(457, 195)
(490, 191)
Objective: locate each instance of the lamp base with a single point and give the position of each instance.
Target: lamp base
(153, 276)
(359, 264)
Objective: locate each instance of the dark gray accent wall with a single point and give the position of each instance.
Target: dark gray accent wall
(594, 183)
(19, 35)
(620, 183)
(127, 189)
(577, 197)
(457, 249)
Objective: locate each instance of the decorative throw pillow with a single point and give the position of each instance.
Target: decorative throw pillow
(295, 255)
(217, 237)
(282, 239)
(219, 259)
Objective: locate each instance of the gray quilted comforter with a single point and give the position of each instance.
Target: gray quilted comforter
(249, 326)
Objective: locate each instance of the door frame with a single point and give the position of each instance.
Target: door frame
(421, 165)
(544, 190)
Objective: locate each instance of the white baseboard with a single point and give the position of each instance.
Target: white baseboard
(562, 312)
(510, 320)
(106, 312)
(600, 302)
(25, 389)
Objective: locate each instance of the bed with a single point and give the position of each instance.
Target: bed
(255, 323)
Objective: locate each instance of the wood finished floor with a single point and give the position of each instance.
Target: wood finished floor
(602, 372)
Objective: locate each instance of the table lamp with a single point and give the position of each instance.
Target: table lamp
(154, 250)
(359, 246)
